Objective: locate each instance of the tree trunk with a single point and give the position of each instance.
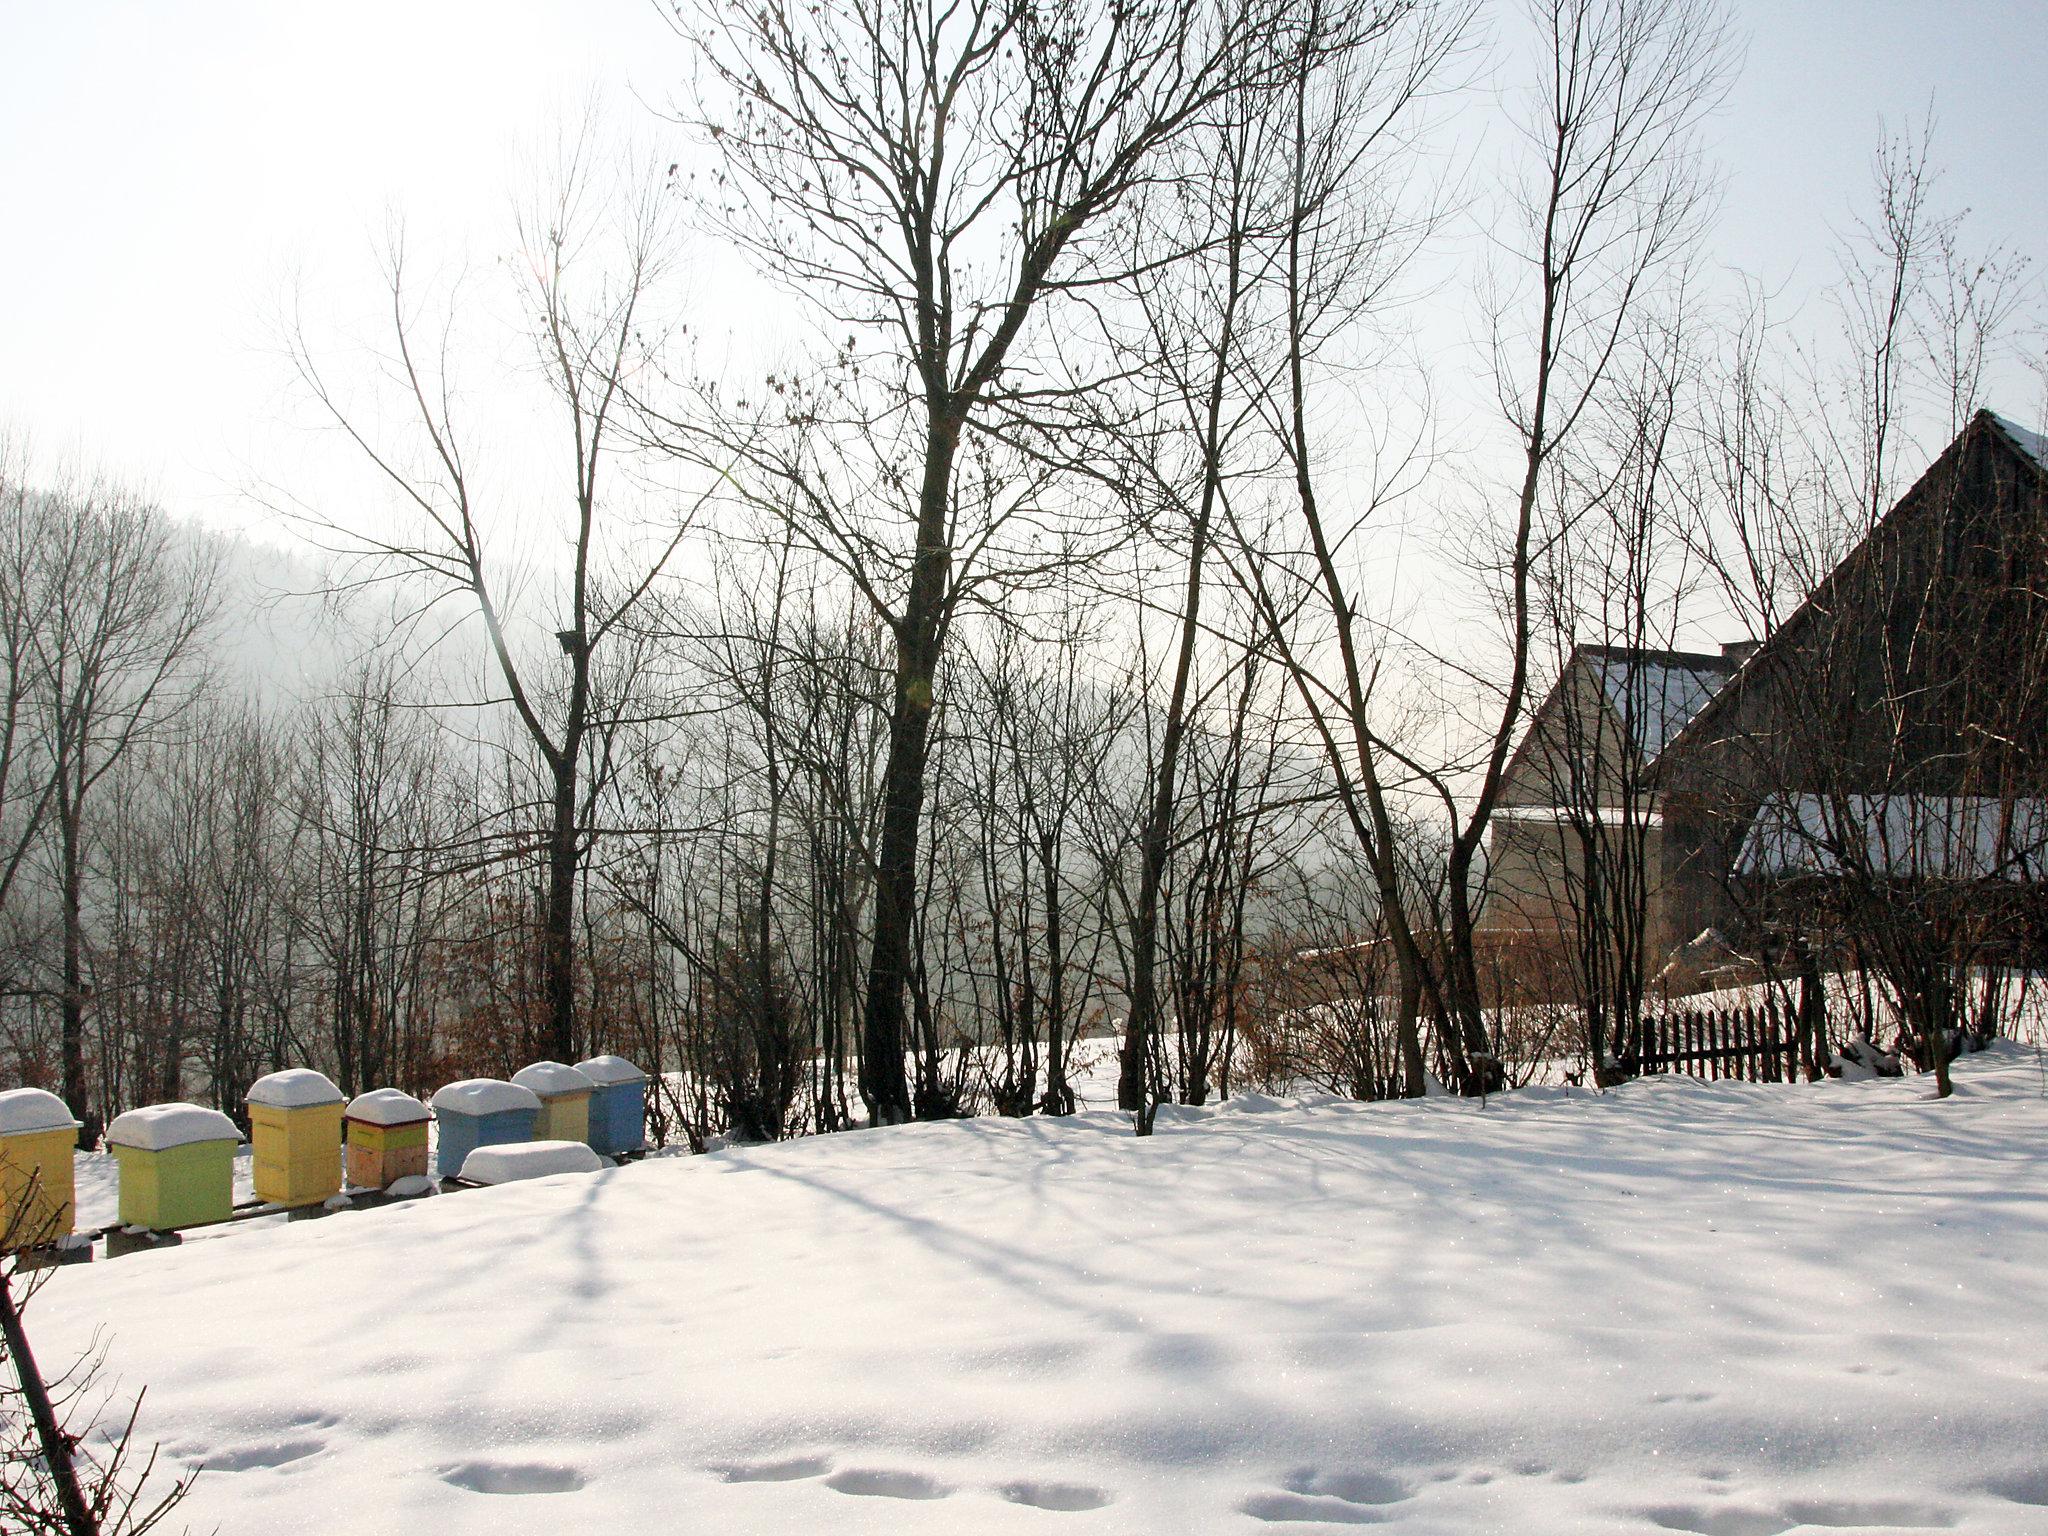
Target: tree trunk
(558, 937)
(1059, 1097)
(883, 1084)
(72, 877)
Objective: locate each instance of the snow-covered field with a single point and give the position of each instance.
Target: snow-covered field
(1724, 1309)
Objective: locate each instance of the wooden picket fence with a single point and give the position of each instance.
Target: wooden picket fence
(1751, 1044)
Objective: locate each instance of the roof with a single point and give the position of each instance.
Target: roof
(26, 1110)
(386, 1106)
(1915, 837)
(2030, 447)
(2032, 444)
(608, 1070)
(484, 1096)
(159, 1127)
(1655, 693)
(294, 1088)
(552, 1079)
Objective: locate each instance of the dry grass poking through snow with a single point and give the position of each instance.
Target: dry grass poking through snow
(1727, 1310)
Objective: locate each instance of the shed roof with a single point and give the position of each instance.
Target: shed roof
(1904, 836)
(2031, 448)
(2032, 444)
(1655, 693)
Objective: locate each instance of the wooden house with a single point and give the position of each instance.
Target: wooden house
(1900, 709)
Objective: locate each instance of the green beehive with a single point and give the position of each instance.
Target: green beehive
(177, 1165)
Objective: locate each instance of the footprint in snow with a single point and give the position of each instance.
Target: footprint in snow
(1065, 1498)
(788, 1470)
(881, 1483)
(511, 1477)
(1352, 1487)
(1328, 1498)
(248, 1458)
(1717, 1522)
(1858, 1514)
(1865, 1513)
(2027, 1488)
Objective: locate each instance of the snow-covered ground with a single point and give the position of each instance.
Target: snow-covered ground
(1723, 1309)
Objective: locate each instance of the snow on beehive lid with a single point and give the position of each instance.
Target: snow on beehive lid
(484, 1096)
(159, 1127)
(386, 1106)
(294, 1088)
(23, 1110)
(551, 1079)
(506, 1164)
(606, 1070)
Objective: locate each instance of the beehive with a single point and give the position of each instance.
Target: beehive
(480, 1112)
(177, 1165)
(531, 1160)
(295, 1136)
(618, 1105)
(387, 1138)
(564, 1095)
(37, 1138)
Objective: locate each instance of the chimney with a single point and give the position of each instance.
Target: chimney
(1736, 652)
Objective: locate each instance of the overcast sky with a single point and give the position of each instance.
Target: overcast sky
(167, 164)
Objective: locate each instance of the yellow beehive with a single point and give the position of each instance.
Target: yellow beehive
(387, 1138)
(295, 1135)
(37, 1138)
(564, 1095)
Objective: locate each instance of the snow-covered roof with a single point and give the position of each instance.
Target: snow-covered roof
(606, 1070)
(1598, 815)
(1920, 837)
(386, 1106)
(506, 1164)
(2032, 444)
(1654, 694)
(23, 1110)
(552, 1079)
(159, 1127)
(294, 1088)
(484, 1096)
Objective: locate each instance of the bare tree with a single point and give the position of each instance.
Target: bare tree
(593, 258)
(29, 524)
(1612, 588)
(942, 183)
(1193, 355)
(1345, 235)
(1613, 199)
(128, 605)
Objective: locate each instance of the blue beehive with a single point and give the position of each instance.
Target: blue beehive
(480, 1112)
(618, 1108)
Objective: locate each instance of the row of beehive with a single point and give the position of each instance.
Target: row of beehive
(177, 1160)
